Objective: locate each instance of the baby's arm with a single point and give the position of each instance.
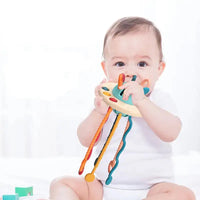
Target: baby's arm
(89, 126)
(165, 125)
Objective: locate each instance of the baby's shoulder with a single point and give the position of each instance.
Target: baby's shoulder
(164, 100)
(159, 95)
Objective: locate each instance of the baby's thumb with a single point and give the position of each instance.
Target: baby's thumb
(104, 80)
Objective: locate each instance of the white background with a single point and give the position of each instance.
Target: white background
(50, 54)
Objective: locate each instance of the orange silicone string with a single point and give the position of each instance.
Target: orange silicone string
(88, 153)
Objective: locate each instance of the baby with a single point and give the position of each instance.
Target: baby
(131, 46)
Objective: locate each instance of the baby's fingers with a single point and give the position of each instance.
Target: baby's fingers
(104, 81)
(128, 84)
(100, 105)
(127, 92)
(97, 89)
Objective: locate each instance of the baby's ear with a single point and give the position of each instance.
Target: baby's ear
(161, 67)
(104, 67)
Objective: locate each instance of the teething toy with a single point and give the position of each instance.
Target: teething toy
(113, 96)
(24, 191)
(10, 197)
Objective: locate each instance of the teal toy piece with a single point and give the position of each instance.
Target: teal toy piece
(146, 90)
(24, 191)
(134, 78)
(10, 197)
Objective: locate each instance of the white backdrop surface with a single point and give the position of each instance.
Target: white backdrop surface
(50, 54)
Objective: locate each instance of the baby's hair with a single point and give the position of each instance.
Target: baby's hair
(133, 24)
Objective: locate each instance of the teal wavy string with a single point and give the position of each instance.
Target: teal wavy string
(109, 179)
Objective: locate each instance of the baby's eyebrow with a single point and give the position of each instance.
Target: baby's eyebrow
(135, 57)
(143, 57)
(117, 57)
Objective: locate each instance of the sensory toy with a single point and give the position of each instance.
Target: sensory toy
(24, 191)
(113, 96)
(10, 197)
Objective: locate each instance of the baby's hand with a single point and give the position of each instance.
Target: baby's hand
(100, 106)
(134, 89)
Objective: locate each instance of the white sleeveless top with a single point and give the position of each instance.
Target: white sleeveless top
(146, 159)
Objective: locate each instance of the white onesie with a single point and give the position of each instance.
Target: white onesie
(146, 159)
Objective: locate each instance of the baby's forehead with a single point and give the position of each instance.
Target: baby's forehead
(148, 34)
(131, 29)
(140, 30)
(137, 36)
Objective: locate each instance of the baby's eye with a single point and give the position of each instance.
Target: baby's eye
(142, 64)
(119, 64)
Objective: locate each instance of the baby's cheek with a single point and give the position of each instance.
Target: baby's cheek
(113, 76)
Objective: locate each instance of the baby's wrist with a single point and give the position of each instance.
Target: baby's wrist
(98, 112)
(141, 102)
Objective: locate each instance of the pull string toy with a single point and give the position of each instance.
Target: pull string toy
(121, 147)
(113, 96)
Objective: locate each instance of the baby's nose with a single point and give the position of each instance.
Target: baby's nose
(131, 70)
(130, 77)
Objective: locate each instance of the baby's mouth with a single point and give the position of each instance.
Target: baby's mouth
(130, 78)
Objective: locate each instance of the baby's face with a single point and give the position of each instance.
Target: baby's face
(133, 54)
